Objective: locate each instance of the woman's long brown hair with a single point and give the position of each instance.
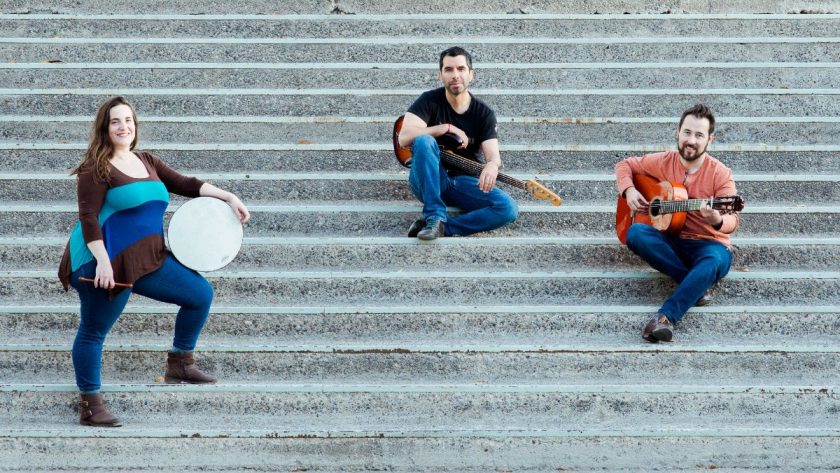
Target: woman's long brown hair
(100, 149)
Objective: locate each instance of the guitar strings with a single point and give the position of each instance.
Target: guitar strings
(476, 168)
(673, 206)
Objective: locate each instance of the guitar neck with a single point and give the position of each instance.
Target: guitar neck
(474, 168)
(675, 206)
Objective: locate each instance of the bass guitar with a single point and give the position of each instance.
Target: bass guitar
(669, 204)
(452, 160)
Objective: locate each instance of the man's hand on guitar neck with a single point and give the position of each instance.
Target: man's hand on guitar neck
(712, 215)
(635, 200)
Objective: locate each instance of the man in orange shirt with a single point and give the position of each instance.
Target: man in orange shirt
(701, 254)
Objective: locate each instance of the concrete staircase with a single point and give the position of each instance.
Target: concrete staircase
(341, 344)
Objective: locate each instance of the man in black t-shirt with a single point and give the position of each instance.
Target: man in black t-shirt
(452, 109)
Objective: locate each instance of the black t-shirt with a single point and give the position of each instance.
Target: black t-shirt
(478, 122)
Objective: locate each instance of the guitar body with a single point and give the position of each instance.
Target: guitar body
(403, 154)
(653, 191)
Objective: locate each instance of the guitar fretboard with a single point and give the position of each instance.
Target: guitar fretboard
(674, 206)
(474, 168)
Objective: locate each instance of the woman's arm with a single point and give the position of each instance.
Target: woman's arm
(104, 271)
(209, 190)
(186, 186)
(90, 192)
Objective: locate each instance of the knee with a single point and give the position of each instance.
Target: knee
(718, 260)
(508, 210)
(636, 233)
(424, 146)
(87, 335)
(424, 141)
(641, 238)
(203, 296)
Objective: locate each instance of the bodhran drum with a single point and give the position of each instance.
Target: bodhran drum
(205, 234)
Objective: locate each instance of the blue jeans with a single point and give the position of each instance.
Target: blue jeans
(694, 264)
(436, 189)
(173, 283)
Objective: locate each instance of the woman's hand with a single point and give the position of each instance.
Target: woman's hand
(104, 271)
(104, 275)
(239, 208)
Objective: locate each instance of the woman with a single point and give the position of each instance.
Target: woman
(119, 239)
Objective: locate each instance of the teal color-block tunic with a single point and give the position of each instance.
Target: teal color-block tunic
(126, 213)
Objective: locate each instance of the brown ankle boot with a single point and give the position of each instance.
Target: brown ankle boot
(92, 411)
(180, 368)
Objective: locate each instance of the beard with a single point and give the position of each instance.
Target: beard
(460, 91)
(686, 154)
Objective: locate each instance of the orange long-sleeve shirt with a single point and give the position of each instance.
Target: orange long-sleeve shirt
(712, 179)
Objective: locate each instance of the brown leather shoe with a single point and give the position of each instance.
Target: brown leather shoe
(647, 330)
(658, 329)
(180, 368)
(433, 229)
(415, 227)
(705, 299)
(92, 412)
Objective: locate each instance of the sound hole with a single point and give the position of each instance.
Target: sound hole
(654, 208)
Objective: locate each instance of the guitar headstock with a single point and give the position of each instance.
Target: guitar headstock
(728, 204)
(541, 192)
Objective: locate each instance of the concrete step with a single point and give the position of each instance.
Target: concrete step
(536, 131)
(410, 76)
(619, 363)
(307, 288)
(524, 327)
(513, 253)
(411, 26)
(392, 220)
(393, 409)
(796, 190)
(175, 449)
(316, 376)
(447, 11)
(394, 102)
(423, 49)
(34, 158)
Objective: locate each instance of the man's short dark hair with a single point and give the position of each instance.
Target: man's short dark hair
(700, 111)
(453, 52)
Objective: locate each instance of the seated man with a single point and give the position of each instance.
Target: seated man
(452, 109)
(700, 254)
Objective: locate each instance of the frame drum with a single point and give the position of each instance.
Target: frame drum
(205, 234)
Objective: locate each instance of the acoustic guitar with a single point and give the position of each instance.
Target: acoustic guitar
(669, 204)
(473, 168)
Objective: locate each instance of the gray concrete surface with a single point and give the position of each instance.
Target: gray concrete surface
(346, 158)
(348, 349)
(724, 100)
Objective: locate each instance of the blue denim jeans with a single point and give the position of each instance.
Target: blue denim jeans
(173, 283)
(436, 189)
(694, 264)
